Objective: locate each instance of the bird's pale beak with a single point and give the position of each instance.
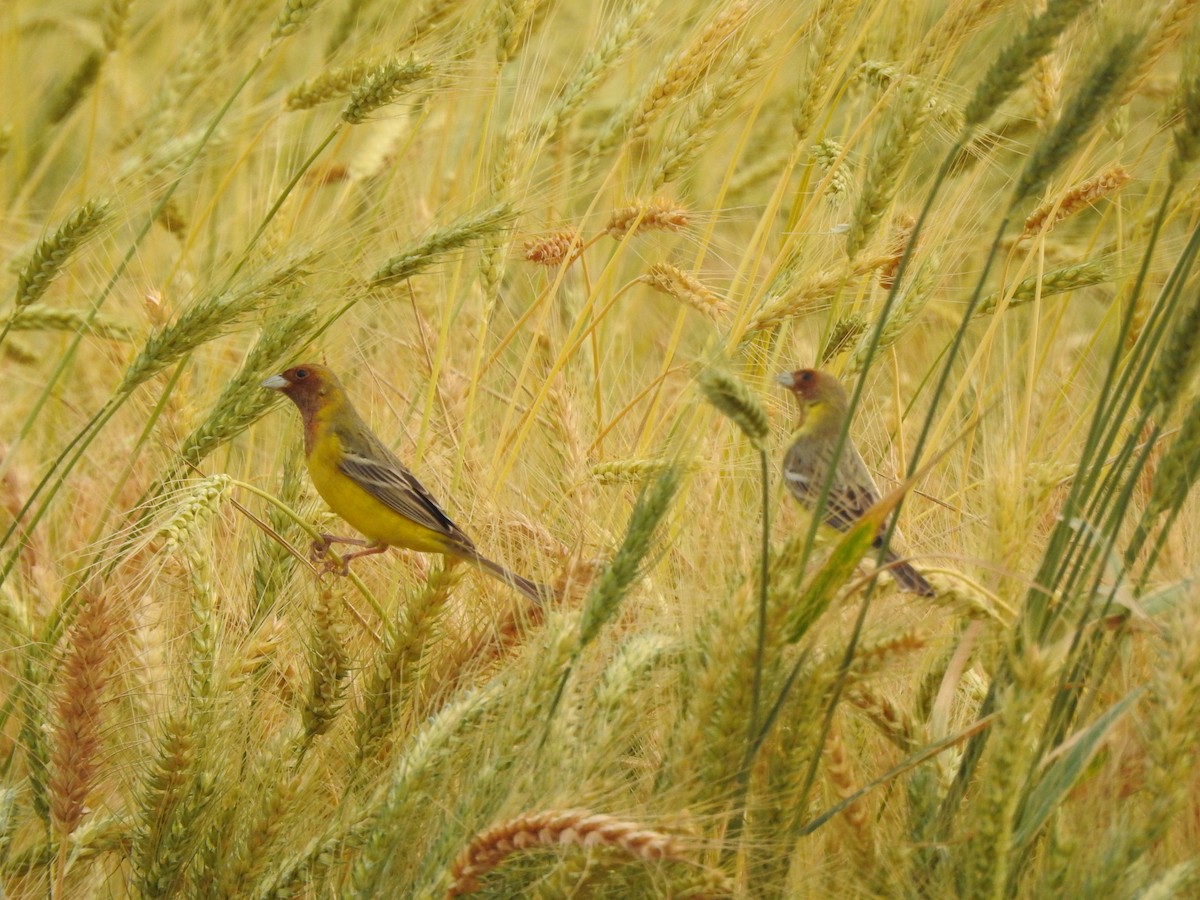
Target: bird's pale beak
(275, 383)
(786, 379)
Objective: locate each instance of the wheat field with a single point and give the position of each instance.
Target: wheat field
(558, 252)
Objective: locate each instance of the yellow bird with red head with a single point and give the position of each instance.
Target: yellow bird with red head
(365, 484)
(824, 407)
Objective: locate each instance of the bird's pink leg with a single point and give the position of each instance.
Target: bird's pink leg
(370, 551)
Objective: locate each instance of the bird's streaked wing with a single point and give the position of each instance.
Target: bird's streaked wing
(844, 504)
(398, 488)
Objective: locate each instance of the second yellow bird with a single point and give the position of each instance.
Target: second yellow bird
(824, 407)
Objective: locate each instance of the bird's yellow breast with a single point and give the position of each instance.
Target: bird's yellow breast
(361, 509)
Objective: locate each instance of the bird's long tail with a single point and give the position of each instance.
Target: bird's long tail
(909, 578)
(536, 591)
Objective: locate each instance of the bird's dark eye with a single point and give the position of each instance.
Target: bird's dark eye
(301, 373)
(806, 375)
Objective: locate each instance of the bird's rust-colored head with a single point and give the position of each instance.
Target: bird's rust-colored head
(812, 386)
(303, 381)
(823, 400)
(310, 386)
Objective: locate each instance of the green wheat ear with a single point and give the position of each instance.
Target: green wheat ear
(54, 251)
(626, 565)
(426, 251)
(382, 87)
(291, 18)
(1100, 85)
(1187, 135)
(1017, 58)
(734, 399)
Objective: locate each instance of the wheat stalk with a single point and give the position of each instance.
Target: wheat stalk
(193, 511)
(842, 333)
(423, 253)
(895, 724)
(700, 123)
(616, 39)
(424, 751)
(839, 768)
(1098, 88)
(1164, 35)
(392, 679)
(618, 577)
(788, 298)
(682, 74)
(330, 84)
(873, 655)
(628, 471)
(898, 245)
(1187, 135)
(114, 20)
(71, 90)
(162, 836)
(829, 22)
(291, 18)
(382, 87)
(208, 318)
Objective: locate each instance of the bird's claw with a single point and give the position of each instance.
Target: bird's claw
(320, 549)
(319, 554)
